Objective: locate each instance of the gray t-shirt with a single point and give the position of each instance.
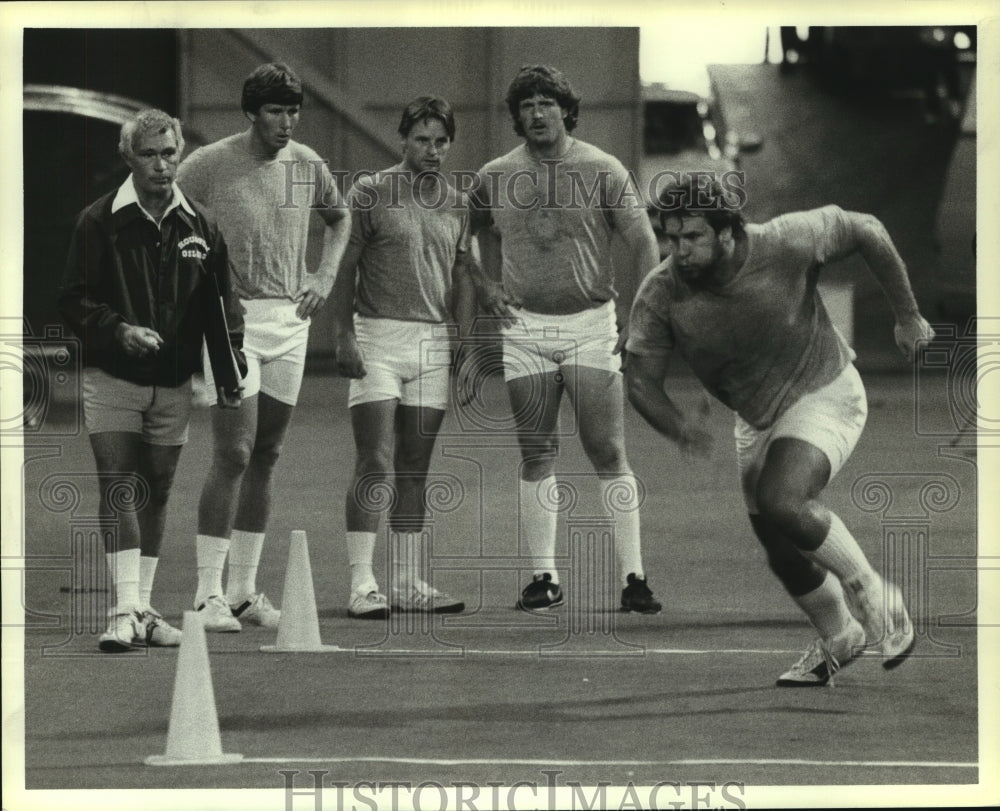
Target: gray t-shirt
(411, 237)
(263, 206)
(555, 219)
(763, 340)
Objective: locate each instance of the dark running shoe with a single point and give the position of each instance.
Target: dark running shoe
(637, 597)
(540, 594)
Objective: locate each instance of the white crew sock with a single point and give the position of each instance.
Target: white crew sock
(147, 572)
(840, 554)
(123, 567)
(360, 551)
(826, 608)
(211, 553)
(244, 557)
(538, 516)
(862, 585)
(621, 498)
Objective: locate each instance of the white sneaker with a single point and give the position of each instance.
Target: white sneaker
(368, 603)
(825, 657)
(124, 627)
(421, 597)
(217, 616)
(882, 613)
(158, 632)
(257, 610)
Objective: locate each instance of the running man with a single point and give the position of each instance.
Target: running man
(404, 275)
(263, 187)
(138, 292)
(547, 213)
(739, 302)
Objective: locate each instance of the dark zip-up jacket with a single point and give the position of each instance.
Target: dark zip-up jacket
(122, 268)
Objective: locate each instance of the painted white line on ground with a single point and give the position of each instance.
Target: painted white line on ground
(875, 764)
(554, 651)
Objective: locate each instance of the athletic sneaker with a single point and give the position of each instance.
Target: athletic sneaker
(540, 594)
(368, 603)
(422, 598)
(899, 644)
(257, 610)
(124, 628)
(824, 657)
(158, 632)
(637, 597)
(888, 629)
(218, 616)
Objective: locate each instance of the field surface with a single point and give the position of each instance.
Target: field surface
(584, 695)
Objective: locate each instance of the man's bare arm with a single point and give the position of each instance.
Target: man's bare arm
(349, 362)
(873, 242)
(316, 288)
(644, 378)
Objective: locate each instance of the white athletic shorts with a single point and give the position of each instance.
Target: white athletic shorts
(831, 418)
(538, 344)
(407, 361)
(274, 343)
(159, 414)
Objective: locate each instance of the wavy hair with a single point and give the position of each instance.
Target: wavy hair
(542, 80)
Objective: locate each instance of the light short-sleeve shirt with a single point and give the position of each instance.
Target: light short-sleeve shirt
(556, 219)
(263, 207)
(411, 237)
(764, 339)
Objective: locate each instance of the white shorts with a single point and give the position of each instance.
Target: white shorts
(538, 344)
(274, 343)
(407, 361)
(160, 414)
(831, 418)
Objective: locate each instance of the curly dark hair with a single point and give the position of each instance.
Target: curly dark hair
(542, 80)
(696, 196)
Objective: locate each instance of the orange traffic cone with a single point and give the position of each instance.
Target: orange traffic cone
(193, 735)
(298, 628)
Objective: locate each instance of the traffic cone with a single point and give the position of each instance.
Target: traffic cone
(298, 628)
(193, 735)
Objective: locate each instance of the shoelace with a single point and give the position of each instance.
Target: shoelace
(817, 646)
(832, 665)
(809, 654)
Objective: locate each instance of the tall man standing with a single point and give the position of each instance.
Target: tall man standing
(739, 302)
(262, 186)
(138, 292)
(548, 211)
(403, 276)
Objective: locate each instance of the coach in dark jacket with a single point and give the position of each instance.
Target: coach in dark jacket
(147, 280)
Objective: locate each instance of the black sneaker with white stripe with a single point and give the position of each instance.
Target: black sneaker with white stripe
(540, 594)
